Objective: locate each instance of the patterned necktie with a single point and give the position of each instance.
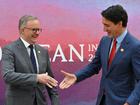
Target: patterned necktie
(32, 57)
(112, 53)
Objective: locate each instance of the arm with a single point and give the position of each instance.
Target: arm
(53, 93)
(13, 76)
(92, 68)
(134, 97)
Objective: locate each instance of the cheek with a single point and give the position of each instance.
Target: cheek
(115, 29)
(112, 29)
(106, 28)
(109, 29)
(28, 36)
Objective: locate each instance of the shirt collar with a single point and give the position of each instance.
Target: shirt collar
(121, 37)
(25, 42)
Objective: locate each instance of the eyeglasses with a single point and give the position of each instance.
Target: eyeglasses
(34, 29)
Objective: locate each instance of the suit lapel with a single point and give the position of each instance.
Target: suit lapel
(106, 54)
(24, 53)
(38, 54)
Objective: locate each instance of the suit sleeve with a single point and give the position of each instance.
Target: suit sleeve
(8, 70)
(53, 93)
(92, 68)
(134, 98)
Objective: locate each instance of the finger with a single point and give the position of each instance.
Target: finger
(49, 78)
(49, 85)
(53, 80)
(67, 86)
(63, 84)
(52, 83)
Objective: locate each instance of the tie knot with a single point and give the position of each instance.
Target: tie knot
(31, 46)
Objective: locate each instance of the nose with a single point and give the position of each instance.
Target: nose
(37, 32)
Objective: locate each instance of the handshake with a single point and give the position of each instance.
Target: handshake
(69, 79)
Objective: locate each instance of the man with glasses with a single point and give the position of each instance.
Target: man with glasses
(26, 68)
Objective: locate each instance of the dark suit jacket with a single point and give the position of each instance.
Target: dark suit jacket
(119, 83)
(19, 76)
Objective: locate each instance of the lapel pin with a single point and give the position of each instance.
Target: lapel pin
(38, 52)
(122, 50)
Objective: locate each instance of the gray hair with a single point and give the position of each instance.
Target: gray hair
(24, 19)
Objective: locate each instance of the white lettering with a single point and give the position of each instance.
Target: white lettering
(72, 49)
(59, 53)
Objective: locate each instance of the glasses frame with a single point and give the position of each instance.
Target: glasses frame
(34, 29)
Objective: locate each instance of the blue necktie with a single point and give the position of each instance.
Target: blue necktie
(32, 57)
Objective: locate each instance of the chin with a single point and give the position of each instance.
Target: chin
(110, 35)
(33, 42)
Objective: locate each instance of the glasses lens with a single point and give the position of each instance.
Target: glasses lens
(37, 30)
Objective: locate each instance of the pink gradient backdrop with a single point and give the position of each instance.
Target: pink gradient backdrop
(65, 22)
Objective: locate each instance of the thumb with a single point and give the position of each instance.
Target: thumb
(65, 73)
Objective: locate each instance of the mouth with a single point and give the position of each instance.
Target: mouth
(35, 36)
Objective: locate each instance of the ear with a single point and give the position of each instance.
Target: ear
(21, 30)
(120, 23)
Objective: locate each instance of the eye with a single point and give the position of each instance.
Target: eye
(35, 29)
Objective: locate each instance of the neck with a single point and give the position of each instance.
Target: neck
(120, 32)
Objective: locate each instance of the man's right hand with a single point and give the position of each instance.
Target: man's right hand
(47, 80)
(68, 80)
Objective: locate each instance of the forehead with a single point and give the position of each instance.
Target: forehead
(33, 23)
(106, 21)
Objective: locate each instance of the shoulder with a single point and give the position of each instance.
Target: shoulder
(105, 39)
(133, 43)
(132, 40)
(11, 46)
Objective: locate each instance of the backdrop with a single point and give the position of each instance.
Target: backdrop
(71, 31)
